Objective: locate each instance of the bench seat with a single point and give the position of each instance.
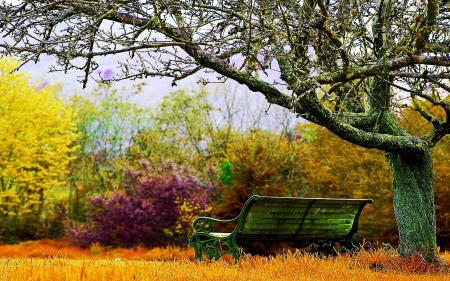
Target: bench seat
(321, 222)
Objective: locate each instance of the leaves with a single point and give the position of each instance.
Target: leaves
(107, 121)
(36, 135)
(156, 209)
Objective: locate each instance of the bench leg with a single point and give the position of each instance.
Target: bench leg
(348, 246)
(213, 247)
(324, 249)
(331, 248)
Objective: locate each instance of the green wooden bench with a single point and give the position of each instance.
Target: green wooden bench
(326, 224)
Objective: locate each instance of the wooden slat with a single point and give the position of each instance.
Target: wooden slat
(315, 209)
(272, 213)
(287, 208)
(284, 227)
(302, 209)
(263, 220)
(307, 232)
(330, 216)
(295, 228)
(302, 205)
(334, 201)
(284, 238)
(323, 214)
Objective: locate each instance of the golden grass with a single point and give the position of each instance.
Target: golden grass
(169, 264)
(63, 249)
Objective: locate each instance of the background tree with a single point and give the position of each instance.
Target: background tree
(182, 126)
(339, 61)
(106, 123)
(194, 128)
(36, 134)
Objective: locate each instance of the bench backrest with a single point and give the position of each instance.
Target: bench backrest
(266, 218)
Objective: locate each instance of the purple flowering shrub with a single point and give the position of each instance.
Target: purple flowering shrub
(155, 209)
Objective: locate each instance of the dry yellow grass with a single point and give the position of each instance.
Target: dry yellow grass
(256, 268)
(117, 265)
(63, 249)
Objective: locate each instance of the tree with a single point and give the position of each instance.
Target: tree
(346, 65)
(37, 131)
(194, 128)
(419, 126)
(106, 125)
(180, 127)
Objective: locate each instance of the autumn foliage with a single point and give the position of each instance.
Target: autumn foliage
(37, 131)
(155, 209)
(105, 171)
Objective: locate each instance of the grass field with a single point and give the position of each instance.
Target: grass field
(52, 261)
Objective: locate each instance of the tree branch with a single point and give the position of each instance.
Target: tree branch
(429, 117)
(374, 70)
(386, 142)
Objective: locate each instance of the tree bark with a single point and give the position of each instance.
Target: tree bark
(413, 187)
(414, 203)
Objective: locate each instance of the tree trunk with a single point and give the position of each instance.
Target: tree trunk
(414, 203)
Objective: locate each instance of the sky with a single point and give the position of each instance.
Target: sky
(153, 92)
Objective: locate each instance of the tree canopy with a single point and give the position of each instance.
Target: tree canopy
(349, 66)
(37, 132)
(324, 51)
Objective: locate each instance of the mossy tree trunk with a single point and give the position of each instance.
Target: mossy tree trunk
(414, 207)
(413, 186)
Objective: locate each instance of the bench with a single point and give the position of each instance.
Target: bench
(325, 224)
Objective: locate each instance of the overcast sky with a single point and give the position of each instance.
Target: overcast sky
(155, 89)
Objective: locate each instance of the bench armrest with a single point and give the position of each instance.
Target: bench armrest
(206, 224)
